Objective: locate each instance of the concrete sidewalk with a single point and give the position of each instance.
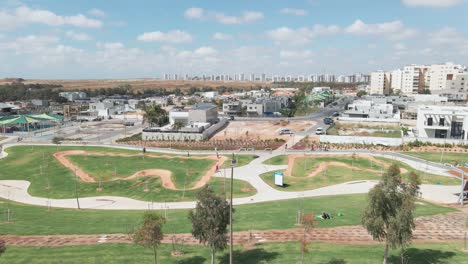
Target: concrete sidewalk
(16, 190)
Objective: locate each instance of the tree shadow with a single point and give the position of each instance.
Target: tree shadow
(249, 256)
(335, 261)
(192, 260)
(423, 256)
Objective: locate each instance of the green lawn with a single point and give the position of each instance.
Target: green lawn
(272, 253)
(37, 220)
(446, 157)
(277, 160)
(56, 181)
(335, 174)
(241, 160)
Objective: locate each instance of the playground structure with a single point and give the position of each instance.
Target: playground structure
(27, 123)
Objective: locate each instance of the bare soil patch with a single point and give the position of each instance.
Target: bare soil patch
(260, 130)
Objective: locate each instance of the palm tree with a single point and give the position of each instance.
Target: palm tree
(155, 115)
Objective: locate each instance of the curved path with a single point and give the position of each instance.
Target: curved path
(16, 190)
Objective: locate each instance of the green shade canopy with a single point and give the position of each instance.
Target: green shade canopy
(27, 119)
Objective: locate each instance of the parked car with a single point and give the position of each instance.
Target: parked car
(335, 114)
(285, 132)
(231, 117)
(129, 124)
(319, 131)
(328, 120)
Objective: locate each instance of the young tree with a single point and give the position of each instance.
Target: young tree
(308, 222)
(177, 125)
(361, 94)
(2, 247)
(155, 115)
(389, 215)
(210, 220)
(149, 234)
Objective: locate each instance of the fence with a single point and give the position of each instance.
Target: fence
(179, 136)
(393, 142)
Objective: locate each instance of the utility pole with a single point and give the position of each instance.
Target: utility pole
(233, 162)
(76, 191)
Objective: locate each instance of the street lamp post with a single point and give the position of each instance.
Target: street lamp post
(76, 191)
(233, 162)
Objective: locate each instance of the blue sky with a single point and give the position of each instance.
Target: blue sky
(132, 39)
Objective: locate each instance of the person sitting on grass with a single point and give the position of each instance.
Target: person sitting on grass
(325, 216)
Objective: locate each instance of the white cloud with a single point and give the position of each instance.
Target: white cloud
(97, 13)
(446, 35)
(293, 11)
(28, 15)
(431, 3)
(246, 17)
(302, 35)
(80, 36)
(194, 13)
(221, 36)
(174, 36)
(296, 54)
(393, 30)
(200, 14)
(110, 45)
(205, 51)
(399, 46)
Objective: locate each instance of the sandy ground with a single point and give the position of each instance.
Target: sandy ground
(164, 175)
(260, 130)
(93, 84)
(324, 165)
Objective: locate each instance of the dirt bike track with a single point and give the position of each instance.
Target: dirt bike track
(164, 175)
(322, 166)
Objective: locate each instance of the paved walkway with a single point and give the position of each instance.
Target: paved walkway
(16, 190)
(438, 228)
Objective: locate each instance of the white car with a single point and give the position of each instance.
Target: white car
(319, 131)
(285, 132)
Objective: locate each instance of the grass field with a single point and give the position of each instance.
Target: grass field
(334, 174)
(447, 157)
(36, 220)
(277, 160)
(273, 253)
(241, 160)
(56, 181)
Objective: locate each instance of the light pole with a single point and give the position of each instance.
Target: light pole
(76, 191)
(233, 162)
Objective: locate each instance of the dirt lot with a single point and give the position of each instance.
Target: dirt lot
(260, 130)
(141, 84)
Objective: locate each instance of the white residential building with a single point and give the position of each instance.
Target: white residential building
(449, 122)
(397, 80)
(456, 90)
(380, 83)
(439, 74)
(369, 109)
(415, 79)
